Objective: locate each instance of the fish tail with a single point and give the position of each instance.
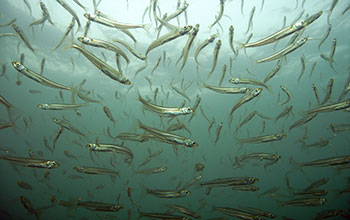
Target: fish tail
(296, 165)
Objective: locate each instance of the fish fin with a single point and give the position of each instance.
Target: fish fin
(147, 27)
(67, 44)
(240, 45)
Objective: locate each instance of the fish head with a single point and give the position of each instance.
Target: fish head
(190, 143)
(212, 38)
(186, 110)
(252, 180)
(124, 80)
(302, 41)
(231, 28)
(258, 218)
(18, 66)
(90, 16)
(43, 106)
(234, 80)
(78, 169)
(162, 169)
(299, 25)
(56, 120)
(92, 146)
(185, 192)
(84, 40)
(117, 207)
(185, 29)
(257, 91)
(323, 201)
(281, 136)
(51, 164)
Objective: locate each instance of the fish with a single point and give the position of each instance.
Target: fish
(169, 37)
(215, 56)
(316, 184)
(109, 114)
(202, 45)
(302, 59)
(188, 45)
(38, 78)
(156, 65)
(104, 44)
(250, 22)
(324, 162)
(330, 108)
(103, 66)
(325, 36)
(28, 6)
(23, 37)
(248, 97)
(230, 181)
(169, 137)
(331, 54)
(24, 185)
(304, 202)
(285, 31)
(80, 5)
(285, 112)
(218, 131)
(328, 213)
(100, 206)
(32, 162)
(237, 213)
(334, 3)
(285, 90)
(231, 37)
(169, 194)
(285, 51)
(70, 11)
(69, 155)
(165, 111)
(303, 121)
(161, 216)
(227, 90)
(182, 93)
(132, 137)
(95, 170)
(270, 191)
(54, 106)
(113, 148)
(258, 212)
(184, 211)
(152, 170)
(67, 125)
(27, 205)
(221, 12)
(247, 81)
(264, 138)
(129, 48)
(246, 119)
(346, 89)
(273, 158)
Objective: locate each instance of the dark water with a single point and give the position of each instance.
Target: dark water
(217, 158)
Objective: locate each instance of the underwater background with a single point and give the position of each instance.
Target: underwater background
(69, 67)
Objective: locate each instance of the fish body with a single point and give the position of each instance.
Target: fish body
(95, 170)
(132, 50)
(227, 90)
(169, 137)
(231, 37)
(32, 162)
(100, 206)
(169, 194)
(285, 51)
(104, 44)
(188, 45)
(37, 77)
(303, 120)
(230, 181)
(103, 66)
(169, 37)
(23, 36)
(247, 81)
(70, 11)
(218, 18)
(132, 137)
(60, 106)
(330, 108)
(328, 91)
(202, 46)
(27, 205)
(305, 202)
(331, 161)
(165, 111)
(264, 138)
(67, 125)
(285, 112)
(285, 31)
(152, 170)
(215, 56)
(162, 216)
(119, 149)
(248, 97)
(184, 211)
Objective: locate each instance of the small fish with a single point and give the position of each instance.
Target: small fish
(285, 31)
(27, 205)
(273, 72)
(152, 170)
(112, 148)
(285, 51)
(303, 121)
(202, 45)
(264, 138)
(184, 210)
(346, 89)
(32, 162)
(316, 184)
(231, 37)
(99, 206)
(218, 18)
(250, 22)
(248, 97)
(95, 170)
(325, 36)
(227, 90)
(215, 56)
(24, 185)
(168, 37)
(67, 125)
(109, 114)
(218, 131)
(182, 93)
(304, 202)
(132, 50)
(161, 216)
(248, 81)
(188, 45)
(230, 181)
(331, 54)
(70, 11)
(59, 106)
(285, 90)
(302, 59)
(285, 112)
(23, 36)
(168, 193)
